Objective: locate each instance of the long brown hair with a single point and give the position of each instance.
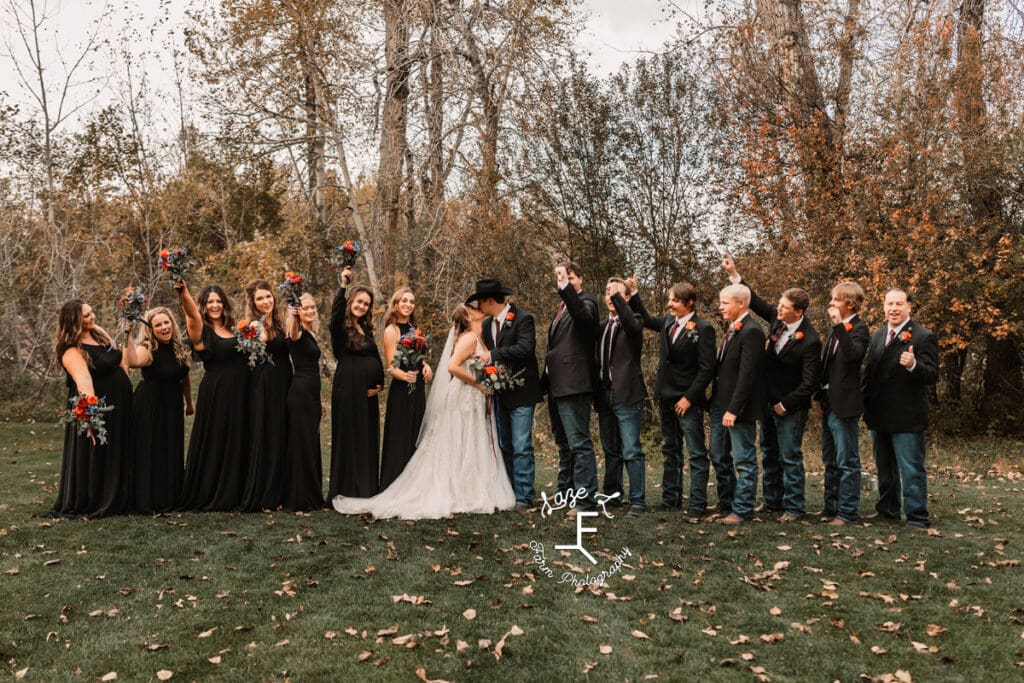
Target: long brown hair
(460, 319)
(391, 316)
(366, 322)
(226, 317)
(69, 330)
(274, 328)
(149, 340)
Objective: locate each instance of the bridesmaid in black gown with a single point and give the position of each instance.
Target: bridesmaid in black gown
(268, 414)
(94, 477)
(303, 475)
(215, 467)
(404, 412)
(355, 411)
(158, 422)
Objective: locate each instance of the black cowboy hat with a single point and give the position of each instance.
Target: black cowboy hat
(488, 289)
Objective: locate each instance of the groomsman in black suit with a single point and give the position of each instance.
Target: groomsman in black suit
(841, 403)
(620, 401)
(569, 377)
(903, 361)
(737, 400)
(792, 371)
(509, 334)
(686, 366)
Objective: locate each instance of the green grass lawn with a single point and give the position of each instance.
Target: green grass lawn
(326, 597)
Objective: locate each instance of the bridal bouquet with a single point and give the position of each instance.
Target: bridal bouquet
(249, 343)
(176, 263)
(132, 304)
(495, 376)
(346, 254)
(291, 288)
(86, 413)
(409, 355)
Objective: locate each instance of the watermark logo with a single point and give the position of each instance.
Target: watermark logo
(569, 499)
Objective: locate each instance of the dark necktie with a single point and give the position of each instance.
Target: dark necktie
(609, 334)
(672, 331)
(725, 344)
(892, 335)
(558, 315)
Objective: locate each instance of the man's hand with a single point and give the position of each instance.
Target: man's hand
(833, 315)
(561, 277)
(632, 284)
(907, 358)
(730, 266)
(779, 409)
(729, 419)
(682, 405)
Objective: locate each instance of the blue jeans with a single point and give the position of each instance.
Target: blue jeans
(899, 458)
(771, 464)
(675, 431)
(515, 437)
(720, 448)
(577, 464)
(620, 439)
(790, 430)
(840, 453)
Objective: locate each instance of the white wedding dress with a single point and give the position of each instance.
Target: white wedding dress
(457, 466)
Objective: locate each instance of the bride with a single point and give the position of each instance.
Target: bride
(457, 466)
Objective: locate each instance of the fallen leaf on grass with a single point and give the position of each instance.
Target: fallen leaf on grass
(771, 637)
(640, 635)
(775, 611)
(469, 614)
(422, 675)
(878, 650)
(153, 647)
(747, 656)
(484, 643)
(934, 630)
(213, 660)
(164, 675)
(404, 640)
(461, 646)
(50, 563)
(586, 618)
(411, 599)
(281, 643)
(924, 648)
(500, 647)
(330, 635)
(112, 676)
(12, 571)
(364, 655)
(20, 674)
(207, 634)
(604, 649)
(588, 667)
(889, 627)
(388, 631)
(739, 641)
(709, 631)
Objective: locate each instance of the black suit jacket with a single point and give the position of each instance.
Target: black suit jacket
(840, 371)
(791, 377)
(569, 366)
(516, 351)
(627, 378)
(686, 366)
(738, 388)
(896, 399)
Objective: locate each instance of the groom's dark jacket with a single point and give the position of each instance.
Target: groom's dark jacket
(516, 350)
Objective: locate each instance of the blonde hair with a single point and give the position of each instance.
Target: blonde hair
(315, 327)
(391, 315)
(149, 340)
(739, 293)
(850, 292)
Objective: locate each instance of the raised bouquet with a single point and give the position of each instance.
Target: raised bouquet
(346, 254)
(132, 305)
(410, 352)
(249, 343)
(176, 262)
(496, 377)
(291, 288)
(86, 413)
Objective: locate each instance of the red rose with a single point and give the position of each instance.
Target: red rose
(510, 317)
(91, 400)
(491, 370)
(848, 327)
(690, 325)
(407, 343)
(738, 325)
(905, 336)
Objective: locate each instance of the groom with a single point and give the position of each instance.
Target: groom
(510, 337)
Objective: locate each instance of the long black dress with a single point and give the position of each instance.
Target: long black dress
(94, 478)
(401, 423)
(355, 417)
(215, 468)
(158, 434)
(268, 429)
(303, 472)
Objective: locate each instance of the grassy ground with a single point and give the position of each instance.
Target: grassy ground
(326, 597)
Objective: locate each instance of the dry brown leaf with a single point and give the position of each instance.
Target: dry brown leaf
(484, 643)
(364, 655)
(112, 676)
(214, 660)
(281, 643)
(640, 635)
(589, 619)
(709, 631)
(388, 631)
(878, 650)
(20, 673)
(771, 637)
(934, 630)
(924, 648)
(775, 611)
(422, 675)
(207, 634)
(330, 635)
(469, 614)
(588, 667)
(889, 627)
(11, 572)
(164, 675)
(739, 641)
(747, 656)
(404, 640)
(604, 649)
(461, 645)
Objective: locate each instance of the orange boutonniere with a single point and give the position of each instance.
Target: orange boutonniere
(798, 335)
(905, 335)
(738, 325)
(848, 327)
(690, 325)
(510, 316)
